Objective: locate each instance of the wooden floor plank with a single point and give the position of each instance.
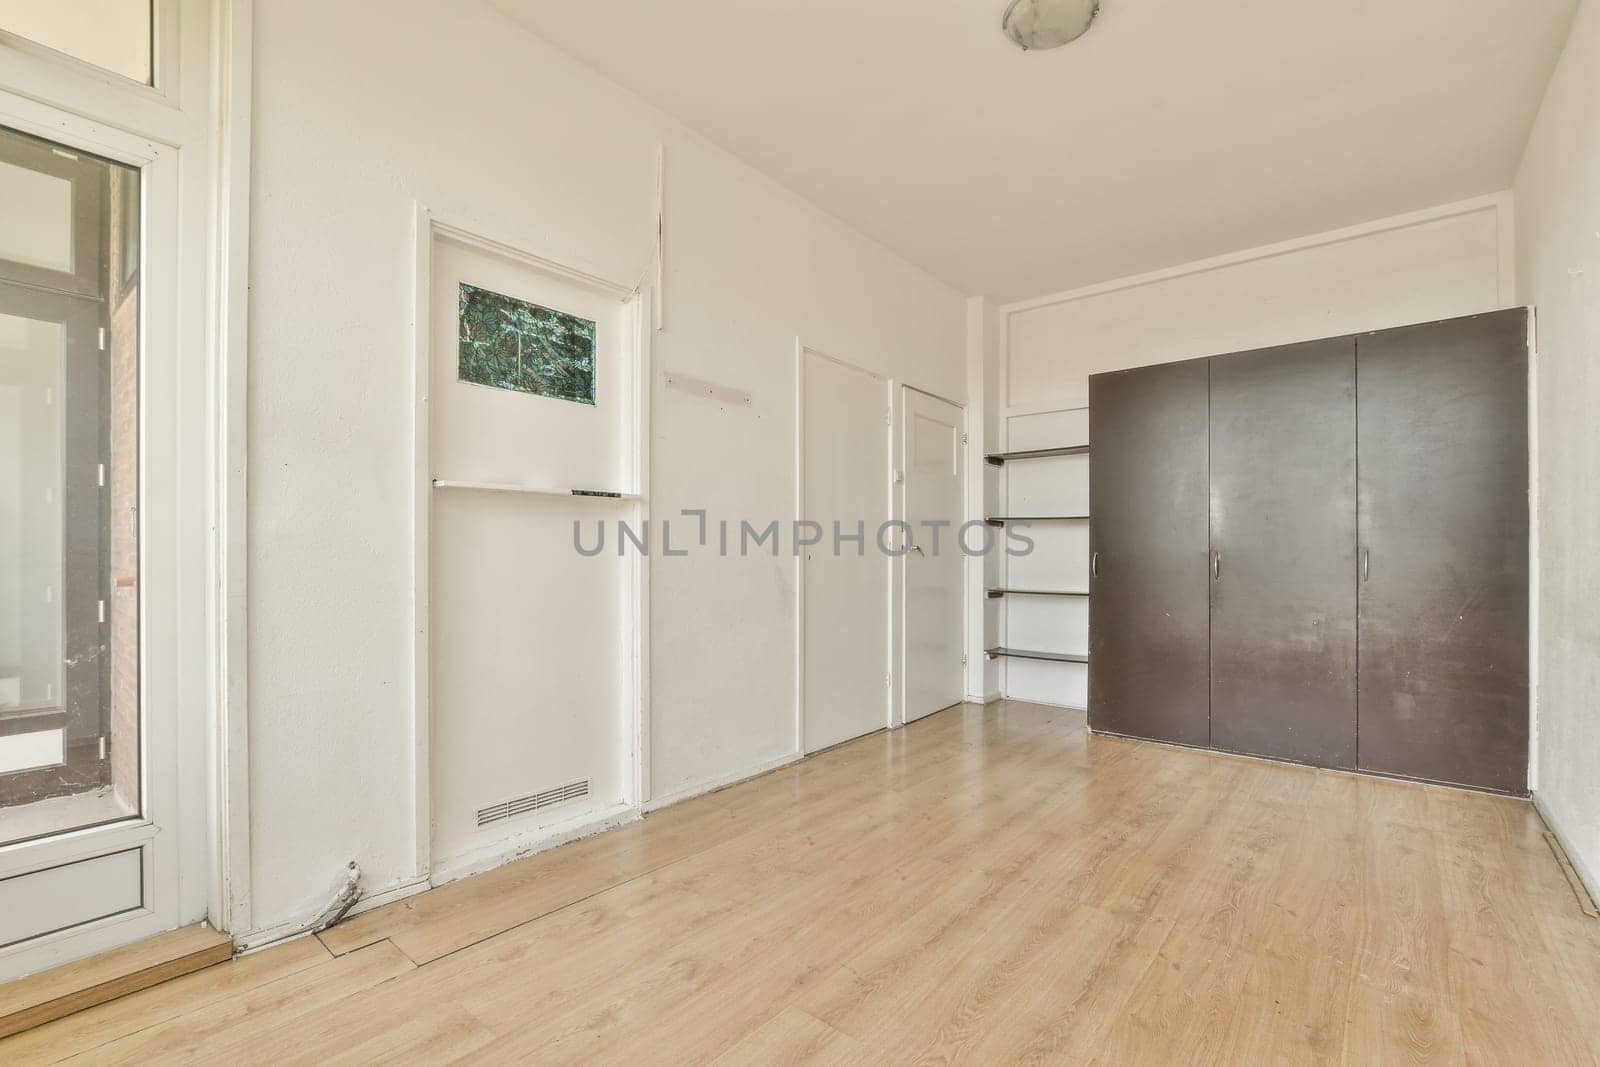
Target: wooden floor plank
(1401, 1005)
(1184, 1005)
(988, 885)
(793, 1037)
(1492, 930)
(248, 1026)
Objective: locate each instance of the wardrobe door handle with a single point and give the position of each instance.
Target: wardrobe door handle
(1216, 566)
(1094, 564)
(1366, 563)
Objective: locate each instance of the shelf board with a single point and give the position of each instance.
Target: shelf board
(535, 490)
(1017, 653)
(1000, 459)
(996, 594)
(1001, 520)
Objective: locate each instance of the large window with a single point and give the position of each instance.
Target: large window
(69, 522)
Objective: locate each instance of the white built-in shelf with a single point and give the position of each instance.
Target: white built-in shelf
(996, 594)
(536, 490)
(1001, 652)
(1000, 459)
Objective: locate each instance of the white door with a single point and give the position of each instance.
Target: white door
(844, 418)
(933, 629)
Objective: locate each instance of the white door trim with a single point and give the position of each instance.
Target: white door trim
(230, 902)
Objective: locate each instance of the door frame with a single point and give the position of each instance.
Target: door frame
(891, 691)
(898, 513)
(189, 137)
(159, 831)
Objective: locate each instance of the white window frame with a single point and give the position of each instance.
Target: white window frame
(189, 134)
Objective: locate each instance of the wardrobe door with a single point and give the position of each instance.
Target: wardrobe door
(1148, 609)
(1443, 412)
(1283, 540)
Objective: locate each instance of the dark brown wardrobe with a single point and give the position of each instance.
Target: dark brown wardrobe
(1319, 552)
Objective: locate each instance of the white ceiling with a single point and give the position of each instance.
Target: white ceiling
(1174, 130)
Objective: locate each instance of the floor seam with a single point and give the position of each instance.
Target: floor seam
(570, 904)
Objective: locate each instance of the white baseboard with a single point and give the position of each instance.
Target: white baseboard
(541, 840)
(586, 825)
(1047, 704)
(267, 936)
(399, 891)
(256, 940)
(711, 785)
(1586, 874)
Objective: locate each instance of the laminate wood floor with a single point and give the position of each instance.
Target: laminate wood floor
(989, 885)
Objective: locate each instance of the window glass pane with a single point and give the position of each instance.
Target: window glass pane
(41, 237)
(30, 511)
(69, 424)
(114, 34)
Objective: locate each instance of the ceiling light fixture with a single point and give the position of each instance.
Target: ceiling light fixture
(1036, 24)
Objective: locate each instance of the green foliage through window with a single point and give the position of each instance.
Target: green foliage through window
(512, 344)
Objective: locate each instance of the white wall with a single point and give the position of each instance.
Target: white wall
(1453, 260)
(748, 269)
(1456, 259)
(1558, 254)
(363, 107)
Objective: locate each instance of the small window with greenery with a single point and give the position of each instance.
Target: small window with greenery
(508, 343)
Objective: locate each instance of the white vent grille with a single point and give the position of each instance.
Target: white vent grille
(510, 809)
